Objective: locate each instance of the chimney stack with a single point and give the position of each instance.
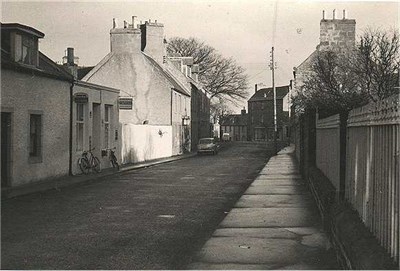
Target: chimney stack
(153, 40)
(126, 38)
(255, 87)
(323, 15)
(337, 32)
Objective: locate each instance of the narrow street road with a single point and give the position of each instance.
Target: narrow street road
(154, 218)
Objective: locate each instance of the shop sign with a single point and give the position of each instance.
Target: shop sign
(125, 103)
(81, 98)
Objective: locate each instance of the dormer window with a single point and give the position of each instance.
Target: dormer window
(26, 49)
(21, 42)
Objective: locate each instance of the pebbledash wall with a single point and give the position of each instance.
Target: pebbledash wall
(23, 94)
(159, 101)
(97, 125)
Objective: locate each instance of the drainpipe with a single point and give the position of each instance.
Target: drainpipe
(71, 103)
(172, 95)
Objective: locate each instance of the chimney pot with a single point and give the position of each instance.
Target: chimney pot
(344, 14)
(255, 87)
(125, 24)
(155, 21)
(133, 21)
(114, 23)
(334, 11)
(70, 56)
(323, 15)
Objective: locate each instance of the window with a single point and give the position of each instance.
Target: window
(25, 50)
(80, 125)
(176, 103)
(107, 128)
(35, 136)
(180, 104)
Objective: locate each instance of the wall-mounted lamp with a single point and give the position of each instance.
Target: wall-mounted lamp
(186, 120)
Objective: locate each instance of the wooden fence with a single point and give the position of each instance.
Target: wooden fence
(372, 182)
(328, 148)
(371, 171)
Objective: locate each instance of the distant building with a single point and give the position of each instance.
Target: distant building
(235, 125)
(155, 98)
(199, 100)
(261, 114)
(35, 110)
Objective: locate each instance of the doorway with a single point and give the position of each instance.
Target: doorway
(96, 128)
(5, 149)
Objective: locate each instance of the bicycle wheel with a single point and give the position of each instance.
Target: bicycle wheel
(114, 162)
(96, 164)
(84, 165)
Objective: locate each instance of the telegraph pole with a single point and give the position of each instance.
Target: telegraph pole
(273, 67)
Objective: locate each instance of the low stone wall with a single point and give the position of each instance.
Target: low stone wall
(355, 245)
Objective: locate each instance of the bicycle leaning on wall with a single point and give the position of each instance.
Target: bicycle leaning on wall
(89, 161)
(113, 158)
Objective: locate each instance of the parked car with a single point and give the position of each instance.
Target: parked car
(208, 145)
(225, 137)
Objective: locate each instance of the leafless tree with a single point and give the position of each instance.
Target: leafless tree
(376, 63)
(331, 86)
(219, 109)
(221, 77)
(344, 78)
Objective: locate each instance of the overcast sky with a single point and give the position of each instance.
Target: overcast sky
(243, 30)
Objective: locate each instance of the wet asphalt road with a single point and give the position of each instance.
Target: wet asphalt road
(153, 218)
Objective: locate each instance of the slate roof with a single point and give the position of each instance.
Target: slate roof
(178, 86)
(265, 94)
(46, 67)
(82, 71)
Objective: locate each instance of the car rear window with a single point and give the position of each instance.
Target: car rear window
(206, 141)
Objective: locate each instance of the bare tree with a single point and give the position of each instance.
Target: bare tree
(221, 77)
(331, 86)
(342, 79)
(376, 63)
(219, 109)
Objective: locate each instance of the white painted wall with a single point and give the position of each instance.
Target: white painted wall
(145, 142)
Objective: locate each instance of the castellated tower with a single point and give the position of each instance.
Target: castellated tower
(337, 32)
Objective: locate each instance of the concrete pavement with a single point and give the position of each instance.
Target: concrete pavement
(274, 225)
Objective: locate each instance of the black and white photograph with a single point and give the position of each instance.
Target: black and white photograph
(200, 135)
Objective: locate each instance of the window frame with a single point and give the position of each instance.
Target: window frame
(107, 125)
(80, 122)
(30, 43)
(37, 157)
